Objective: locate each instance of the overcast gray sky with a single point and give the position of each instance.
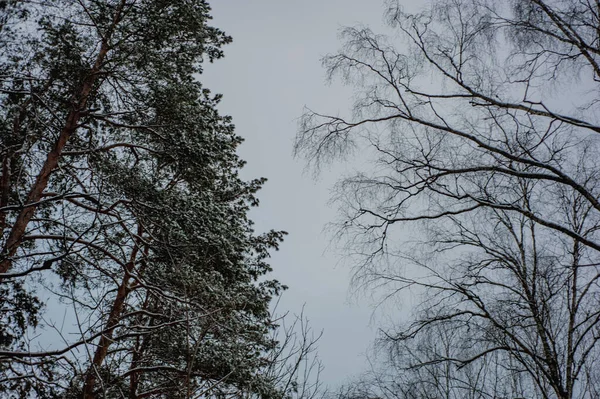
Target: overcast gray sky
(269, 73)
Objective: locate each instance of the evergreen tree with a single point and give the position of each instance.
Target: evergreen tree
(121, 202)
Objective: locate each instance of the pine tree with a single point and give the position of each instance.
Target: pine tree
(121, 202)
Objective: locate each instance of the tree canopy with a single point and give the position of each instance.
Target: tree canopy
(481, 121)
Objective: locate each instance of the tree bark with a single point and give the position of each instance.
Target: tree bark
(113, 320)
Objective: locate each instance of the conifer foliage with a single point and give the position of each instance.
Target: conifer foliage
(129, 266)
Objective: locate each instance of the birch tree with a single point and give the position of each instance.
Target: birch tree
(481, 119)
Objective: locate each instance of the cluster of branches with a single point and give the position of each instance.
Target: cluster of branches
(129, 266)
(484, 132)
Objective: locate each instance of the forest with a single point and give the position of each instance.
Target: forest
(461, 160)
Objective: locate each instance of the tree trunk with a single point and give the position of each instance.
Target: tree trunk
(114, 318)
(107, 338)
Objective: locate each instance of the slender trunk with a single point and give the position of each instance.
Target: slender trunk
(598, 27)
(572, 321)
(141, 343)
(106, 339)
(18, 230)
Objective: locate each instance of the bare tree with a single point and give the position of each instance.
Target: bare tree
(484, 134)
(416, 369)
(294, 366)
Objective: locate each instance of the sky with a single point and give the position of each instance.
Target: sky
(269, 73)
